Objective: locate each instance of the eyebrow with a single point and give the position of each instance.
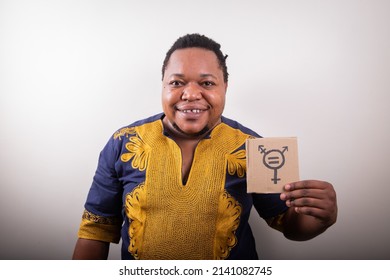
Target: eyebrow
(201, 75)
(208, 75)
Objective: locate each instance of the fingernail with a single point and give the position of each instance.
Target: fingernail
(283, 196)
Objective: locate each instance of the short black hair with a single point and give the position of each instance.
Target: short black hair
(198, 41)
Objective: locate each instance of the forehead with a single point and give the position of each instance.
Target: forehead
(193, 59)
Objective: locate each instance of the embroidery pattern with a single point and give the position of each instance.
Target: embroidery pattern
(167, 235)
(136, 214)
(139, 151)
(124, 132)
(237, 163)
(228, 221)
(100, 219)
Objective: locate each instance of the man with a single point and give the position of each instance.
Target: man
(173, 186)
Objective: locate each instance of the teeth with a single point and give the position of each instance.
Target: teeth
(197, 111)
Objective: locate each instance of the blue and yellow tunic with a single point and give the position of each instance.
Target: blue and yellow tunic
(137, 194)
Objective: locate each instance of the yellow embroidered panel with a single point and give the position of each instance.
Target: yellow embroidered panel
(237, 163)
(134, 211)
(173, 221)
(96, 227)
(228, 220)
(124, 132)
(138, 151)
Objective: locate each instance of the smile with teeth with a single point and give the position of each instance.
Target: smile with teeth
(196, 111)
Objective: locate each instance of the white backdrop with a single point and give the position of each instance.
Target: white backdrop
(72, 72)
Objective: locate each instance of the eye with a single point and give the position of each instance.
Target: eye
(175, 83)
(208, 84)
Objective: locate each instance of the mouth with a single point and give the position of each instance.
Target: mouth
(192, 114)
(193, 111)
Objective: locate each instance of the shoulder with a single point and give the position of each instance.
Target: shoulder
(236, 125)
(151, 119)
(130, 129)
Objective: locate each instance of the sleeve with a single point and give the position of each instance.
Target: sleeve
(271, 208)
(102, 218)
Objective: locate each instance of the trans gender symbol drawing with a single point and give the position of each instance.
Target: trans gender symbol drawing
(273, 159)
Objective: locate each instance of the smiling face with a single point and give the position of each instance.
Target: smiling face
(193, 94)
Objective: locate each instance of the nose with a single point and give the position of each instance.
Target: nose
(192, 92)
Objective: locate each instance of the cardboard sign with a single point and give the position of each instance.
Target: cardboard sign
(271, 164)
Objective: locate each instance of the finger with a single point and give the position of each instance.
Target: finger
(318, 213)
(306, 202)
(303, 193)
(307, 184)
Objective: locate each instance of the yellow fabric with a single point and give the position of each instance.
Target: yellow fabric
(134, 203)
(175, 221)
(228, 220)
(99, 228)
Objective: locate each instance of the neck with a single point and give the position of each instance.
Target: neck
(177, 134)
